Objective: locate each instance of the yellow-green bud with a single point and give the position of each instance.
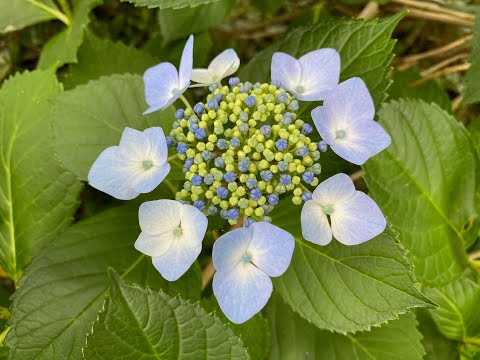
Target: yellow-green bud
(230, 167)
(278, 156)
(216, 200)
(248, 211)
(200, 146)
(209, 194)
(224, 204)
(262, 200)
(296, 180)
(297, 192)
(297, 200)
(259, 211)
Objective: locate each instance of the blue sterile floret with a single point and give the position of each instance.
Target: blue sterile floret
(179, 113)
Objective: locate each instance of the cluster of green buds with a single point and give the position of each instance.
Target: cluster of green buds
(242, 150)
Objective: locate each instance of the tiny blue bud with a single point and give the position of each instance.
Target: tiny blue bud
(255, 194)
(193, 127)
(302, 151)
(224, 214)
(285, 179)
(243, 128)
(286, 120)
(267, 219)
(266, 209)
(244, 164)
(183, 202)
(244, 88)
(208, 179)
(282, 165)
(243, 116)
(222, 192)
(308, 176)
(317, 169)
(281, 144)
(306, 195)
(293, 105)
(188, 163)
(199, 108)
(193, 120)
(322, 146)
(213, 87)
(256, 85)
(250, 101)
(233, 214)
(219, 162)
(196, 180)
(234, 142)
(218, 98)
(234, 81)
(200, 134)
(248, 221)
(266, 130)
(182, 148)
(222, 144)
(179, 114)
(307, 129)
(212, 104)
(206, 155)
(251, 183)
(272, 199)
(266, 175)
(199, 204)
(212, 210)
(170, 142)
(229, 176)
(282, 98)
(176, 124)
(277, 83)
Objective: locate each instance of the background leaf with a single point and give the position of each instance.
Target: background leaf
(38, 197)
(64, 288)
(417, 183)
(170, 4)
(142, 323)
(472, 89)
(18, 14)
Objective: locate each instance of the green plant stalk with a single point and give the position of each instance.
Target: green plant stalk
(58, 14)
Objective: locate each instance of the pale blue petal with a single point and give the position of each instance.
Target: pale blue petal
(271, 248)
(160, 80)
(286, 70)
(202, 76)
(113, 174)
(315, 226)
(160, 216)
(364, 139)
(186, 65)
(224, 64)
(320, 74)
(242, 292)
(325, 124)
(149, 179)
(357, 220)
(178, 259)
(134, 145)
(350, 101)
(153, 245)
(158, 145)
(194, 223)
(229, 248)
(334, 190)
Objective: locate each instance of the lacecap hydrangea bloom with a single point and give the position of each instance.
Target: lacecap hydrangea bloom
(245, 150)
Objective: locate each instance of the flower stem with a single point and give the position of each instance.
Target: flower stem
(185, 101)
(173, 157)
(58, 14)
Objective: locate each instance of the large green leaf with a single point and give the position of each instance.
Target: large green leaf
(138, 323)
(99, 57)
(425, 182)
(17, 14)
(472, 89)
(365, 50)
(295, 338)
(458, 314)
(62, 48)
(92, 117)
(170, 4)
(64, 288)
(38, 197)
(179, 23)
(346, 288)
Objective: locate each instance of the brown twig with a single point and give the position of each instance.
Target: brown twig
(422, 5)
(442, 73)
(357, 175)
(443, 63)
(474, 255)
(456, 102)
(440, 17)
(207, 273)
(369, 11)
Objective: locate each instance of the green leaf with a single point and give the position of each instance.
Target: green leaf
(141, 323)
(458, 314)
(472, 89)
(92, 117)
(428, 91)
(100, 57)
(179, 23)
(365, 50)
(62, 48)
(17, 14)
(328, 284)
(437, 347)
(38, 197)
(63, 289)
(295, 338)
(474, 130)
(424, 182)
(170, 4)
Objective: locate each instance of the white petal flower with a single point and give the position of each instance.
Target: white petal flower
(309, 78)
(172, 234)
(138, 165)
(355, 218)
(245, 259)
(164, 85)
(345, 122)
(224, 64)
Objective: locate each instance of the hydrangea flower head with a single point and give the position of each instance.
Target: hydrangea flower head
(345, 122)
(245, 259)
(164, 84)
(138, 165)
(172, 234)
(354, 217)
(309, 78)
(225, 64)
